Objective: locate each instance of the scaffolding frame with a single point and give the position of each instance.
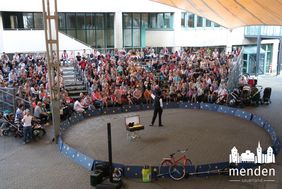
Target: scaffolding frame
(50, 17)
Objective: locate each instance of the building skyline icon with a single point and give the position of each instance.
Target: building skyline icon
(250, 157)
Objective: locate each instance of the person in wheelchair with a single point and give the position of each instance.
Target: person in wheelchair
(40, 114)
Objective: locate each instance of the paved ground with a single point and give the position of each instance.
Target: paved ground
(39, 165)
(209, 137)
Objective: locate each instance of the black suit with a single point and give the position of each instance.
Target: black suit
(157, 109)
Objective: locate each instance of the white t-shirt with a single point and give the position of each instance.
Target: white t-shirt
(27, 120)
(77, 106)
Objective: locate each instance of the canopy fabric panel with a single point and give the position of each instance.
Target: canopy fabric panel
(233, 13)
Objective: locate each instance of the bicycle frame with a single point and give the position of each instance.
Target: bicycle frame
(175, 161)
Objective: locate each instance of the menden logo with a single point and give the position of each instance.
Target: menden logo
(249, 157)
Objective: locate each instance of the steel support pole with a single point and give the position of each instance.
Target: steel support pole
(110, 151)
(279, 63)
(258, 55)
(50, 16)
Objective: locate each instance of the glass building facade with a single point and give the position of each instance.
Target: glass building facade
(135, 25)
(95, 29)
(249, 59)
(190, 20)
(22, 20)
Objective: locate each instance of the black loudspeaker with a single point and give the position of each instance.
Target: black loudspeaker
(106, 184)
(103, 167)
(96, 178)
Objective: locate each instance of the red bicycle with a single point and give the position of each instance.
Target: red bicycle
(175, 168)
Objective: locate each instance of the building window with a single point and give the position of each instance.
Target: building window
(208, 23)
(135, 24)
(91, 37)
(136, 20)
(38, 21)
(80, 23)
(89, 21)
(95, 29)
(127, 38)
(160, 20)
(27, 21)
(71, 21)
(100, 21)
(168, 17)
(13, 22)
(144, 20)
(183, 19)
(199, 21)
(110, 21)
(62, 21)
(216, 25)
(127, 20)
(20, 20)
(191, 20)
(187, 20)
(153, 20)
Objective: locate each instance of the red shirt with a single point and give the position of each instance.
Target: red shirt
(82, 64)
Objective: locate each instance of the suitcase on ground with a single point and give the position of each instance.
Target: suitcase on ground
(266, 95)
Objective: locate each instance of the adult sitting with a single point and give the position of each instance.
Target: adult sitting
(40, 114)
(97, 98)
(78, 107)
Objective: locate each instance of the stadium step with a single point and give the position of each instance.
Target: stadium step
(72, 82)
(74, 87)
(71, 92)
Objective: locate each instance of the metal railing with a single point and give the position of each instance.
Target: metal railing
(236, 71)
(9, 100)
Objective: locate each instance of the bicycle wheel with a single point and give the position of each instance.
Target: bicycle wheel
(177, 171)
(164, 167)
(38, 133)
(188, 163)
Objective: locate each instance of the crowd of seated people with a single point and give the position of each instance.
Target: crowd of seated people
(123, 77)
(27, 73)
(129, 77)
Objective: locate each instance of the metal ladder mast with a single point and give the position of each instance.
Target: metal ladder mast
(50, 17)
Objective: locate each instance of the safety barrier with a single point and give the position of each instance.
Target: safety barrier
(135, 171)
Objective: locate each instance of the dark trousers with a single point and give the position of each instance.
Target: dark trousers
(27, 133)
(157, 111)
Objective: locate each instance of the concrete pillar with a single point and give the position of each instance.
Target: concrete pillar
(177, 30)
(275, 54)
(1, 34)
(118, 30)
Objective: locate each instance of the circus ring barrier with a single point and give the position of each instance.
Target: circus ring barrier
(135, 171)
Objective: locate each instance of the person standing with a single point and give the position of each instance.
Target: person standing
(19, 115)
(27, 126)
(158, 106)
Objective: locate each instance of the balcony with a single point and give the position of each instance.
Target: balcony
(264, 31)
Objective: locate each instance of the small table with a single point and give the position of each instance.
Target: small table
(131, 129)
